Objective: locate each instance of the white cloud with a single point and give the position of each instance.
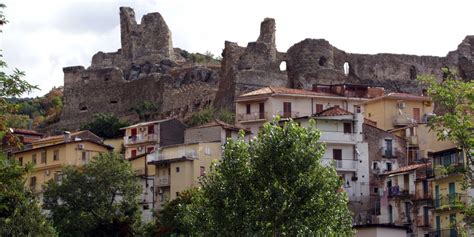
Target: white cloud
(45, 36)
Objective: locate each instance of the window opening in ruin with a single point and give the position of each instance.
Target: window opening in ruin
(412, 73)
(83, 108)
(283, 66)
(346, 68)
(113, 102)
(322, 61)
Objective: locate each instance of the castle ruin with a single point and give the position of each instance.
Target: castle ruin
(148, 68)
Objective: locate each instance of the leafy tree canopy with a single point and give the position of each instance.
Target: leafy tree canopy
(275, 185)
(105, 125)
(98, 199)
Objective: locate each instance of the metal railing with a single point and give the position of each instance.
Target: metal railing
(186, 153)
(454, 200)
(403, 120)
(140, 138)
(444, 233)
(163, 181)
(341, 164)
(397, 192)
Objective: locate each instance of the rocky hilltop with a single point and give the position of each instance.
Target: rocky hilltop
(148, 68)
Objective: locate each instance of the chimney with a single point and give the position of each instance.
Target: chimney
(67, 136)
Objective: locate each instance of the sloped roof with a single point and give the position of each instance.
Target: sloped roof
(146, 123)
(399, 96)
(217, 122)
(407, 168)
(285, 91)
(333, 111)
(26, 131)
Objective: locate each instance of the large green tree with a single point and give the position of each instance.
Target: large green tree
(105, 125)
(98, 199)
(275, 185)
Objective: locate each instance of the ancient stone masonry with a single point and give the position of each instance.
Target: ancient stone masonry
(148, 68)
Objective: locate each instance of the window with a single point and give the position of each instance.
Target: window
(375, 165)
(84, 156)
(56, 155)
(134, 132)
(416, 114)
(20, 160)
(228, 133)
(33, 181)
(337, 154)
(133, 153)
(357, 109)
(347, 127)
(202, 171)
(412, 73)
(33, 159)
(376, 190)
(322, 61)
(248, 108)
(151, 129)
(207, 151)
(261, 110)
(388, 166)
(150, 149)
(346, 68)
(319, 108)
(177, 194)
(177, 169)
(286, 109)
(388, 148)
(43, 157)
(390, 214)
(426, 217)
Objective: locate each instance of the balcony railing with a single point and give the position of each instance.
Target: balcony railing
(140, 138)
(454, 200)
(444, 233)
(342, 165)
(252, 116)
(290, 114)
(421, 221)
(397, 192)
(412, 140)
(402, 120)
(420, 195)
(186, 153)
(163, 181)
(455, 168)
(339, 137)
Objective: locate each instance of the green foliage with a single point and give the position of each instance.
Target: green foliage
(99, 199)
(207, 57)
(105, 125)
(146, 110)
(227, 116)
(456, 98)
(204, 116)
(275, 185)
(20, 213)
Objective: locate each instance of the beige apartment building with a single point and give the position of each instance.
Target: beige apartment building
(51, 154)
(259, 106)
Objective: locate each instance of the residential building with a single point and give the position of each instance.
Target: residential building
(145, 138)
(387, 152)
(180, 167)
(406, 199)
(51, 154)
(396, 110)
(341, 131)
(214, 131)
(448, 194)
(380, 230)
(259, 106)
(22, 136)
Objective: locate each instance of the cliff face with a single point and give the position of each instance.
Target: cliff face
(148, 68)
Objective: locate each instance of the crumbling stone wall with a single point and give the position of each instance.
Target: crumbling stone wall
(148, 68)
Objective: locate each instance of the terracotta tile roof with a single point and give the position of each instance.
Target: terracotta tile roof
(286, 91)
(26, 132)
(400, 96)
(407, 168)
(217, 122)
(333, 111)
(50, 138)
(146, 123)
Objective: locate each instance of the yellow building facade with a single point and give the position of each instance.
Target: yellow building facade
(50, 155)
(180, 167)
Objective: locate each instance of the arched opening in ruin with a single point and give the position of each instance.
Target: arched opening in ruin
(283, 66)
(346, 68)
(413, 73)
(322, 61)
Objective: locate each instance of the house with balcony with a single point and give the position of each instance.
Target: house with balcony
(387, 152)
(396, 110)
(50, 155)
(346, 150)
(145, 138)
(214, 131)
(406, 199)
(255, 108)
(448, 194)
(180, 167)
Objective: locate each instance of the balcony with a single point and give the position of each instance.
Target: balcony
(402, 120)
(341, 165)
(172, 155)
(256, 116)
(397, 192)
(412, 140)
(339, 137)
(450, 201)
(420, 195)
(444, 233)
(291, 114)
(452, 169)
(140, 138)
(163, 181)
(422, 221)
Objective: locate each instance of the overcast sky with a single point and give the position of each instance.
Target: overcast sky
(45, 36)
